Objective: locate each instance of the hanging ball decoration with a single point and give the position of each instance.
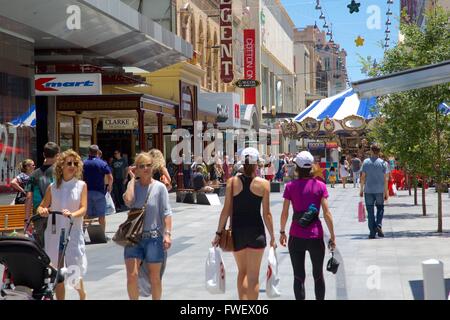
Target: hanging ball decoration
(322, 16)
(354, 6)
(390, 2)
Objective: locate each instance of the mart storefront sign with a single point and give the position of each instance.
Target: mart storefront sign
(68, 84)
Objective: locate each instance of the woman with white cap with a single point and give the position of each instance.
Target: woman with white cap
(244, 195)
(307, 195)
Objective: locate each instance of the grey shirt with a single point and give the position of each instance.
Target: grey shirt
(375, 169)
(158, 206)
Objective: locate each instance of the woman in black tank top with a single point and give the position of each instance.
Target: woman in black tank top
(244, 195)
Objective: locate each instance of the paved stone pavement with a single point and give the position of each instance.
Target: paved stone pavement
(410, 239)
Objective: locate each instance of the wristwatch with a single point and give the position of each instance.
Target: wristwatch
(168, 233)
(282, 232)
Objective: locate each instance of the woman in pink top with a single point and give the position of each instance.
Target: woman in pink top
(304, 192)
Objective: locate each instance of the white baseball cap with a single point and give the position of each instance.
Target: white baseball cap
(304, 159)
(252, 153)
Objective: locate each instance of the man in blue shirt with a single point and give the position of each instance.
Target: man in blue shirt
(94, 174)
(374, 186)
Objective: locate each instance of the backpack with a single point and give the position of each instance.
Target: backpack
(41, 181)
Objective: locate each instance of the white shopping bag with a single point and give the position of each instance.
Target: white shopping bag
(145, 288)
(273, 279)
(110, 207)
(394, 189)
(215, 272)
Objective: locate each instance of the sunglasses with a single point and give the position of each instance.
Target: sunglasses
(72, 164)
(143, 166)
(31, 165)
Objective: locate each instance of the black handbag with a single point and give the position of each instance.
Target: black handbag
(332, 264)
(130, 231)
(21, 198)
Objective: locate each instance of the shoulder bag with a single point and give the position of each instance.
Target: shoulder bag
(130, 231)
(226, 239)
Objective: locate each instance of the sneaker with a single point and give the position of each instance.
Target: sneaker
(380, 232)
(371, 237)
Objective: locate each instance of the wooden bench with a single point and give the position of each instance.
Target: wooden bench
(95, 230)
(12, 217)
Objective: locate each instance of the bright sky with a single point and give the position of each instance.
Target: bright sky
(347, 27)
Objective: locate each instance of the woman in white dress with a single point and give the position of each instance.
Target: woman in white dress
(68, 194)
(343, 170)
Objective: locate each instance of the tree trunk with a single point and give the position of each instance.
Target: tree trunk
(440, 208)
(415, 194)
(424, 206)
(409, 183)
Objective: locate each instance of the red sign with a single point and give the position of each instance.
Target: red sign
(250, 64)
(226, 41)
(237, 111)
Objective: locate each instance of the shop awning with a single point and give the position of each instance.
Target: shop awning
(111, 31)
(416, 78)
(28, 119)
(339, 107)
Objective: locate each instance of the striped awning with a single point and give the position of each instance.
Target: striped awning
(339, 107)
(27, 119)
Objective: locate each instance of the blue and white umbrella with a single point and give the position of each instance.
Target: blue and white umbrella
(339, 107)
(27, 119)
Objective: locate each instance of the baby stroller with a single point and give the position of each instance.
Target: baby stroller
(29, 274)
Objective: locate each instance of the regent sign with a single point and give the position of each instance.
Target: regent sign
(226, 41)
(67, 84)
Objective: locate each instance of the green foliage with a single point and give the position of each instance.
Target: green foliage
(410, 127)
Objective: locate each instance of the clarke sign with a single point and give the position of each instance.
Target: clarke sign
(68, 84)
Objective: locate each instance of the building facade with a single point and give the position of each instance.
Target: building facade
(46, 48)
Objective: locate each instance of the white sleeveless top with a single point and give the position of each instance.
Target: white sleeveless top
(67, 196)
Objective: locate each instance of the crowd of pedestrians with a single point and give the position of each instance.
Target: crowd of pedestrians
(77, 188)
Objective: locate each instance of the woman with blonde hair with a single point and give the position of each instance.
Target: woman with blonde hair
(68, 194)
(244, 195)
(19, 183)
(160, 172)
(145, 191)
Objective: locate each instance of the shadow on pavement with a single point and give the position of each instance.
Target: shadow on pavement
(401, 234)
(417, 288)
(400, 205)
(401, 216)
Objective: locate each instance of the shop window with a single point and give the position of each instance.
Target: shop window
(85, 137)
(66, 133)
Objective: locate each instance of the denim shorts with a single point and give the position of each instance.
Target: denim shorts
(150, 250)
(96, 204)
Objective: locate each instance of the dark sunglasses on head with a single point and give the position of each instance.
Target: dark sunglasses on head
(72, 164)
(143, 166)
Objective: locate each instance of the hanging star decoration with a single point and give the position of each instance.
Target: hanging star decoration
(359, 41)
(354, 6)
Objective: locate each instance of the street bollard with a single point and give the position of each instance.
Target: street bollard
(433, 280)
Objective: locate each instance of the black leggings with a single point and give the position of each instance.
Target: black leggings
(297, 250)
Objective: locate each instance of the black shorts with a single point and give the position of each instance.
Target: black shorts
(253, 239)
